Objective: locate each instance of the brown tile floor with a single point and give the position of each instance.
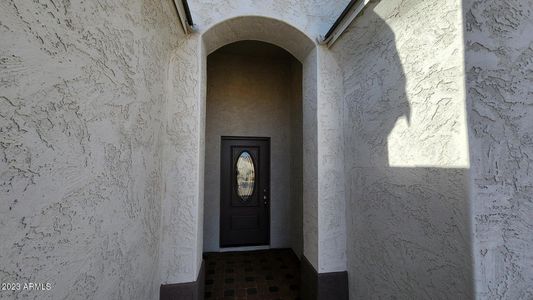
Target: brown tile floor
(264, 274)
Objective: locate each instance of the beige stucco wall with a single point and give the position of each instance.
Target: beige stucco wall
(251, 95)
(82, 86)
(406, 152)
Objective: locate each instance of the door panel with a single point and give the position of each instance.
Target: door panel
(244, 191)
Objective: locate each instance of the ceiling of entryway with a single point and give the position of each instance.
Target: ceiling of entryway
(255, 48)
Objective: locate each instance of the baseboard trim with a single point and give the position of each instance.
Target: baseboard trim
(322, 286)
(185, 291)
(244, 248)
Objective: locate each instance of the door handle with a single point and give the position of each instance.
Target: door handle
(265, 198)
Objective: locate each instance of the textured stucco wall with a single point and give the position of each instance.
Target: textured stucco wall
(252, 95)
(183, 156)
(310, 163)
(82, 86)
(406, 153)
(499, 66)
(330, 165)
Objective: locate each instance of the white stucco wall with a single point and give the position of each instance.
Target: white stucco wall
(310, 167)
(330, 165)
(182, 164)
(406, 152)
(252, 95)
(102, 118)
(82, 86)
(499, 66)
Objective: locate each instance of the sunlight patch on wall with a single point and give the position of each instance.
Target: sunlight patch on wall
(408, 147)
(434, 131)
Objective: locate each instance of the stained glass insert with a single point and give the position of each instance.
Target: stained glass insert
(245, 176)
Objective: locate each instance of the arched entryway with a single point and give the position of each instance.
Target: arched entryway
(184, 148)
(254, 104)
(323, 229)
(302, 49)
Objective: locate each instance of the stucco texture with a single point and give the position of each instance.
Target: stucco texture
(252, 94)
(406, 153)
(499, 66)
(102, 139)
(182, 203)
(82, 88)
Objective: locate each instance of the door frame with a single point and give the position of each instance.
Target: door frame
(261, 138)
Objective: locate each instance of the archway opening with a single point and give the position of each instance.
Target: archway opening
(254, 91)
(182, 236)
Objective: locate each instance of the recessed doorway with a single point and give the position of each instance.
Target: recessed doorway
(244, 191)
(254, 89)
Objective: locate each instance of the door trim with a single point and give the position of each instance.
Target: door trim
(256, 138)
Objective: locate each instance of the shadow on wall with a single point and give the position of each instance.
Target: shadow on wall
(407, 227)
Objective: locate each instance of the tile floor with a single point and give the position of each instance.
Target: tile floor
(264, 274)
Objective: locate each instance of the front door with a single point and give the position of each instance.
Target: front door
(244, 191)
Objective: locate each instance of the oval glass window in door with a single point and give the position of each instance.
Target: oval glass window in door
(245, 176)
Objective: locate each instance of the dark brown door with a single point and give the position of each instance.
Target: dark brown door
(245, 191)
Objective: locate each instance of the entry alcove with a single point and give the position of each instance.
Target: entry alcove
(254, 89)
